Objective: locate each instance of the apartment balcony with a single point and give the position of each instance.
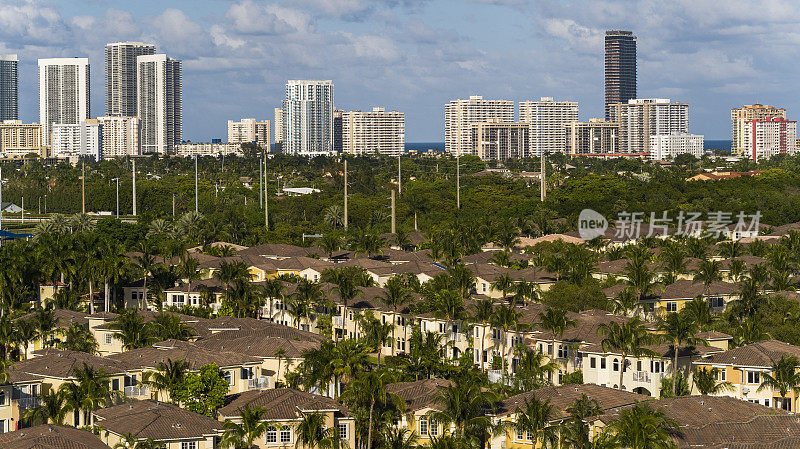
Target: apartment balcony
(455, 336)
(641, 376)
(136, 392)
(29, 402)
(338, 321)
(261, 383)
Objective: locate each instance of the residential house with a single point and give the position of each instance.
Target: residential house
(421, 399)
(50, 436)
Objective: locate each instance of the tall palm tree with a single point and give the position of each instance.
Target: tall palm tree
(53, 409)
(77, 338)
(112, 268)
(167, 377)
(312, 433)
(399, 438)
(557, 322)
(706, 381)
(533, 369)
(369, 390)
(145, 262)
(483, 311)
(708, 272)
(679, 328)
(699, 311)
(628, 338)
(168, 326)
(188, 270)
(639, 277)
(534, 418)
(25, 330)
(242, 435)
(45, 320)
(396, 295)
(642, 427)
(506, 318)
(504, 284)
(132, 330)
(310, 294)
(89, 391)
(345, 288)
(731, 249)
(377, 334)
(273, 289)
(783, 376)
(464, 405)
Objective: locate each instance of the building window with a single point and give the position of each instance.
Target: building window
(247, 373)
(342, 430)
(496, 334)
(433, 427)
(115, 384)
(638, 365)
(592, 362)
(272, 435)
(528, 435)
(615, 365)
(228, 376)
(3, 397)
(672, 306)
(520, 433)
(423, 426)
(188, 444)
(286, 435)
(717, 302)
(108, 338)
(753, 377)
(603, 363)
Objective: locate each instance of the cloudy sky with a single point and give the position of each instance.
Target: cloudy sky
(415, 55)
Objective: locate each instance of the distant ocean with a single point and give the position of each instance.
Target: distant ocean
(424, 146)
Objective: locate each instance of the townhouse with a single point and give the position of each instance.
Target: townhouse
(51, 436)
(673, 297)
(284, 409)
(421, 399)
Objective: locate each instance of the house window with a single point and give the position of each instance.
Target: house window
(615, 365)
(563, 351)
(638, 365)
(656, 366)
(272, 435)
(247, 373)
(286, 434)
(108, 338)
(423, 426)
(672, 306)
(753, 377)
(592, 362)
(485, 356)
(434, 428)
(520, 434)
(188, 444)
(603, 363)
(3, 425)
(342, 430)
(3, 397)
(228, 376)
(496, 334)
(115, 384)
(528, 435)
(441, 328)
(717, 302)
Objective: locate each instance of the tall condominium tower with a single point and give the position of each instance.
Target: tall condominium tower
(620, 69)
(376, 132)
(9, 106)
(641, 118)
(278, 128)
(740, 127)
(459, 115)
(249, 130)
(547, 119)
(63, 92)
(159, 98)
(308, 117)
(121, 76)
(120, 136)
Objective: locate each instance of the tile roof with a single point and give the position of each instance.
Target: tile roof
(49, 436)
(562, 397)
(195, 355)
(759, 354)
(265, 328)
(419, 394)
(63, 317)
(59, 364)
(280, 250)
(280, 404)
(257, 344)
(156, 420)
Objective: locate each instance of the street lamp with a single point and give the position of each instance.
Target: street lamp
(117, 179)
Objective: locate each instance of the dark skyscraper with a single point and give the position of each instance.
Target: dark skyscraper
(620, 69)
(9, 109)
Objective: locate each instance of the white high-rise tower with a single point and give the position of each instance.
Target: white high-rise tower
(63, 92)
(308, 117)
(159, 97)
(121, 76)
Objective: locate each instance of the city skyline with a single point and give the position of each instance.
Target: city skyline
(416, 56)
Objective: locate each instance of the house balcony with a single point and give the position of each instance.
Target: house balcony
(136, 392)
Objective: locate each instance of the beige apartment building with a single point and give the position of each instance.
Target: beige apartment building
(547, 118)
(496, 140)
(739, 125)
(19, 139)
(596, 137)
(644, 117)
(120, 136)
(459, 115)
(373, 133)
(248, 130)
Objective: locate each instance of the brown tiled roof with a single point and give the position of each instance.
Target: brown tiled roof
(301, 263)
(363, 262)
(486, 256)
(721, 421)
(419, 394)
(280, 250)
(713, 335)
(562, 397)
(60, 364)
(156, 420)
(685, 289)
(280, 404)
(195, 355)
(213, 284)
(50, 436)
(395, 255)
(586, 327)
(759, 354)
(418, 267)
(64, 317)
(257, 344)
(265, 328)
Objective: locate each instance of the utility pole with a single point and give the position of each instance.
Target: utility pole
(133, 170)
(117, 179)
(345, 194)
(394, 230)
(1, 199)
(196, 191)
(399, 177)
(23, 210)
(266, 196)
(83, 187)
(173, 205)
(458, 179)
(260, 186)
(542, 182)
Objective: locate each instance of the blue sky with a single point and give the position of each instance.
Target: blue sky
(416, 55)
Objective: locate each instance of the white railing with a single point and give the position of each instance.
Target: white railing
(29, 402)
(134, 392)
(641, 376)
(262, 383)
(495, 375)
(338, 321)
(455, 336)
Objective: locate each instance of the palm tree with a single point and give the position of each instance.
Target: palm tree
(229, 272)
(145, 261)
(399, 438)
(377, 334)
(368, 390)
(129, 441)
(504, 284)
(273, 289)
(334, 216)
(679, 328)
(395, 295)
(533, 368)
(731, 250)
(112, 268)
(706, 381)
(77, 338)
(89, 391)
(557, 322)
(673, 260)
(639, 277)
(53, 409)
(534, 418)
(483, 313)
(26, 332)
(464, 405)
(310, 295)
(506, 318)
(312, 433)
(345, 288)
(168, 326)
(625, 302)
(783, 376)
(187, 270)
(45, 320)
(642, 427)
(628, 338)
(242, 435)
(167, 377)
(699, 311)
(132, 330)
(708, 272)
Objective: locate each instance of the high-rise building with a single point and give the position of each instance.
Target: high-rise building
(376, 132)
(248, 130)
(498, 140)
(308, 117)
(120, 136)
(278, 129)
(770, 136)
(63, 92)
(596, 137)
(160, 107)
(547, 119)
(9, 88)
(121, 76)
(667, 146)
(337, 131)
(83, 139)
(740, 129)
(620, 69)
(19, 139)
(459, 115)
(641, 118)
